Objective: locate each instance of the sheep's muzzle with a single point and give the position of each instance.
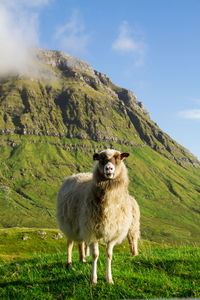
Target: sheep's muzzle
(109, 170)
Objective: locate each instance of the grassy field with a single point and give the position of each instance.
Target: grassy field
(33, 266)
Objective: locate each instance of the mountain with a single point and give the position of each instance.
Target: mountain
(54, 116)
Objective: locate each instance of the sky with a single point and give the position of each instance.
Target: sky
(151, 47)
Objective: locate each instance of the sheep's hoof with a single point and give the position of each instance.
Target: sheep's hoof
(109, 281)
(93, 281)
(69, 265)
(83, 261)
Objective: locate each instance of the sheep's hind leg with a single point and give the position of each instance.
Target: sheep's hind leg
(81, 248)
(135, 246)
(69, 253)
(109, 252)
(95, 255)
(87, 250)
(133, 243)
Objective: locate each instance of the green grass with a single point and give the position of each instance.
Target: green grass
(13, 246)
(39, 270)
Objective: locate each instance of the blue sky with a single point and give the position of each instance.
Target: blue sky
(151, 47)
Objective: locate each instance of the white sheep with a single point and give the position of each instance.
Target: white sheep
(95, 207)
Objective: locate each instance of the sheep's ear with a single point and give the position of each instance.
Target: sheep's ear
(124, 155)
(96, 156)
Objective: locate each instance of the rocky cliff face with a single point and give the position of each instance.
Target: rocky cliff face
(67, 98)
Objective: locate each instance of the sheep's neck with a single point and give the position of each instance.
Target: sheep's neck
(103, 190)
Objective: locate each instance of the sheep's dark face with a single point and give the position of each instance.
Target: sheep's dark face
(109, 162)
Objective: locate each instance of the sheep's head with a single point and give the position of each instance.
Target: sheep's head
(109, 162)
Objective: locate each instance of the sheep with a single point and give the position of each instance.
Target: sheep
(96, 207)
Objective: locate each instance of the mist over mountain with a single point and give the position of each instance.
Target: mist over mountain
(58, 111)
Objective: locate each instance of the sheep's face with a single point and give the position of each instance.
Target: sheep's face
(109, 162)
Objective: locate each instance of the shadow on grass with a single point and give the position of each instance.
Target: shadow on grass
(52, 273)
(171, 267)
(50, 281)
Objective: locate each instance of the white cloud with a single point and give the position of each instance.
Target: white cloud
(18, 32)
(71, 36)
(24, 3)
(193, 114)
(130, 41)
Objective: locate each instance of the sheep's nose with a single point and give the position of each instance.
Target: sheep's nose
(109, 168)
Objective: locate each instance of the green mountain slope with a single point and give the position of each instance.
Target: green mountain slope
(52, 123)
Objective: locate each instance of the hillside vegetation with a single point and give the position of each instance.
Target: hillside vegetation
(32, 172)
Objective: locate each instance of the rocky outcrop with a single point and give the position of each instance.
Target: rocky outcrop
(62, 60)
(130, 100)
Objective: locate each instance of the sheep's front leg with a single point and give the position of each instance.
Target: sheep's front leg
(109, 252)
(135, 242)
(69, 253)
(95, 255)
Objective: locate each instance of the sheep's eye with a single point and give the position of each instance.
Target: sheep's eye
(103, 161)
